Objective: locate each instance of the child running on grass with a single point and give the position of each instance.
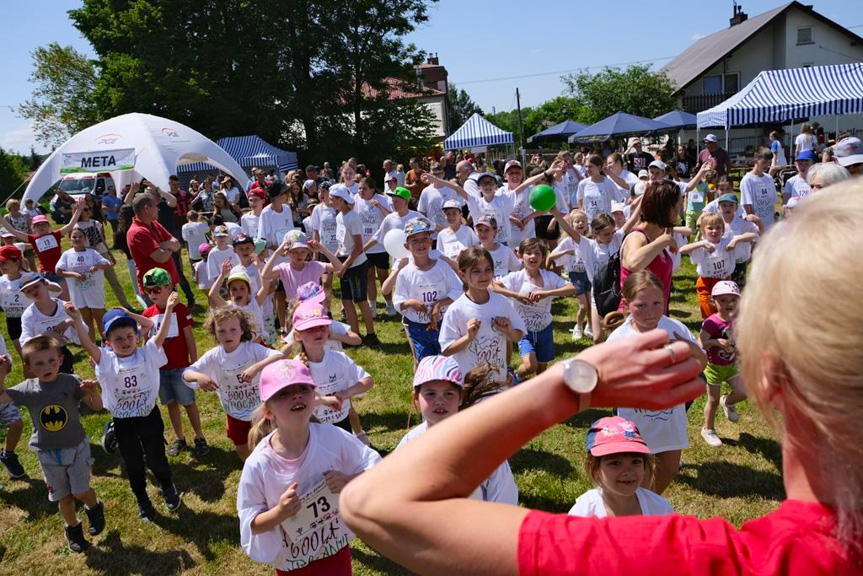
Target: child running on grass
(240, 295)
(717, 338)
(59, 440)
(231, 370)
(12, 299)
(573, 263)
(294, 461)
(85, 267)
(129, 377)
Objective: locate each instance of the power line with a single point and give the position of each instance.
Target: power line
(561, 71)
(840, 53)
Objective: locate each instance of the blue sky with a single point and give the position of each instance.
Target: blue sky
(479, 42)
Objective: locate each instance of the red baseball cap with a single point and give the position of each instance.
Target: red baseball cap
(10, 253)
(257, 193)
(614, 435)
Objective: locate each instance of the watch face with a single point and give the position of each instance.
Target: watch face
(580, 376)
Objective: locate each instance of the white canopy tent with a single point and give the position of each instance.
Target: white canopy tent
(131, 147)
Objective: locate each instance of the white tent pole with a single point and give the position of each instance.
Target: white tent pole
(792, 139)
(837, 127)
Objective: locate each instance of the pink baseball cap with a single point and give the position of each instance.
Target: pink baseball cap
(725, 287)
(311, 292)
(282, 374)
(443, 368)
(614, 435)
(38, 219)
(310, 314)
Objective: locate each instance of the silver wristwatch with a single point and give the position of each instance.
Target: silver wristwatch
(581, 377)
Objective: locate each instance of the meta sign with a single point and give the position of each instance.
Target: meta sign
(99, 161)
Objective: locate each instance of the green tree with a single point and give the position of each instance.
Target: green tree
(461, 107)
(635, 90)
(63, 101)
(13, 171)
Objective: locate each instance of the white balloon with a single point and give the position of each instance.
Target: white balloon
(394, 242)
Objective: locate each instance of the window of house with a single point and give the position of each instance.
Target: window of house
(711, 84)
(732, 83)
(804, 35)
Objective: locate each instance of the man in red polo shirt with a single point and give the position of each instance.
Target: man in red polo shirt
(149, 242)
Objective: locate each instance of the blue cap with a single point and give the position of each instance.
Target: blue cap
(728, 198)
(117, 318)
(806, 155)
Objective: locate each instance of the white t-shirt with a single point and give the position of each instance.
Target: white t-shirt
(249, 224)
(738, 226)
(259, 329)
(339, 328)
(537, 316)
(521, 210)
(450, 244)
(349, 225)
(716, 264)
(570, 262)
(677, 257)
(238, 398)
(324, 221)
(595, 254)
(12, 300)
(505, 260)
(760, 193)
(499, 487)
(215, 259)
(335, 372)
(489, 345)
(392, 222)
(804, 142)
(796, 187)
(596, 197)
(430, 286)
(195, 234)
(233, 194)
(34, 323)
(130, 385)
(234, 230)
(202, 278)
(661, 430)
(266, 476)
(372, 218)
(501, 207)
(590, 504)
(89, 293)
(272, 225)
(431, 204)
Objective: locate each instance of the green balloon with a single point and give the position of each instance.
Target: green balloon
(542, 198)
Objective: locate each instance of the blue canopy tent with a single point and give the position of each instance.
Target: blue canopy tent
(557, 133)
(477, 132)
(777, 96)
(618, 125)
(678, 119)
(249, 151)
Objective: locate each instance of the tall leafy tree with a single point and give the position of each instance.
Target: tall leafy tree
(635, 90)
(461, 107)
(63, 100)
(13, 171)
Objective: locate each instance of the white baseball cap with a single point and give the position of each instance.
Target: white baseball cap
(725, 287)
(657, 164)
(617, 207)
(849, 151)
(343, 193)
(511, 164)
(711, 138)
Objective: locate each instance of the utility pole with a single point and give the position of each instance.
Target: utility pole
(520, 127)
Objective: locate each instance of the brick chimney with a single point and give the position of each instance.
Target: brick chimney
(433, 59)
(739, 15)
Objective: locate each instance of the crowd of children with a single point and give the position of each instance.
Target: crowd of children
(478, 278)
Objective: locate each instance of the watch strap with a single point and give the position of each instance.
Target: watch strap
(583, 402)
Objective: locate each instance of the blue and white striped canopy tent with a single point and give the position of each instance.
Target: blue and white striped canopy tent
(477, 132)
(776, 96)
(249, 151)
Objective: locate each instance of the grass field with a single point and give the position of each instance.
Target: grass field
(739, 481)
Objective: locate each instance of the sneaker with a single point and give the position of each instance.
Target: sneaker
(177, 447)
(109, 438)
(577, 334)
(201, 447)
(342, 316)
(374, 310)
(391, 309)
(10, 461)
(146, 512)
(729, 409)
(711, 437)
(75, 538)
(96, 517)
(371, 340)
(172, 498)
(588, 331)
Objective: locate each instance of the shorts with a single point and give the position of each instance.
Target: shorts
(703, 288)
(692, 219)
(380, 260)
(68, 364)
(66, 470)
(717, 374)
(339, 564)
(172, 388)
(238, 430)
(344, 425)
(542, 223)
(355, 283)
(93, 298)
(540, 343)
(9, 414)
(425, 342)
(13, 326)
(581, 282)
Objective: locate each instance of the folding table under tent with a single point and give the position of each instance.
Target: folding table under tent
(477, 132)
(250, 151)
(777, 96)
(557, 133)
(618, 125)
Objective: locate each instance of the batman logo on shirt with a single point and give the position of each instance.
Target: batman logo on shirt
(53, 418)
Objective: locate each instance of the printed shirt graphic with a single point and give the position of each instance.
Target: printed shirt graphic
(336, 372)
(130, 385)
(718, 328)
(537, 316)
(53, 408)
